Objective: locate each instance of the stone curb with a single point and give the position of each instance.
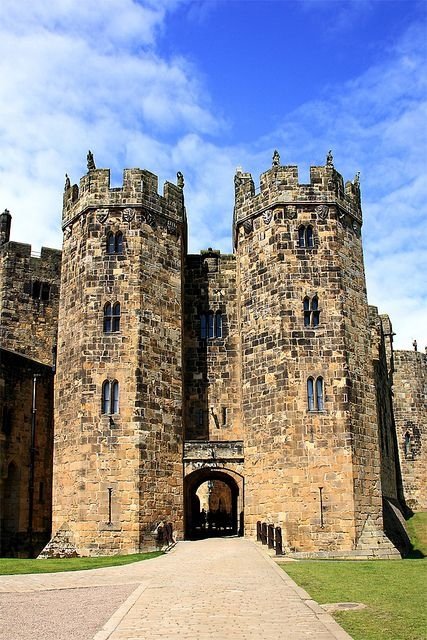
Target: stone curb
(325, 618)
(111, 625)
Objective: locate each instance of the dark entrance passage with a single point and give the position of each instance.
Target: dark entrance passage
(212, 505)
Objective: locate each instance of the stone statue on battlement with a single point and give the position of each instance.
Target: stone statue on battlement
(67, 182)
(276, 158)
(180, 179)
(90, 161)
(330, 159)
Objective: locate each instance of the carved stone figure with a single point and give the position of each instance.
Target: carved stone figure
(322, 211)
(128, 214)
(180, 180)
(415, 345)
(248, 226)
(267, 216)
(276, 158)
(67, 182)
(90, 161)
(330, 159)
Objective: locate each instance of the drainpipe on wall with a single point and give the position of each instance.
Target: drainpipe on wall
(32, 464)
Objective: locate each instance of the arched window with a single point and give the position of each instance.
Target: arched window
(319, 394)
(111, 243)
(110, 397)
(115, 397)
(309, 237)
(218, 324)
(310, 394)
(408, 445)
(307, 312)
(106, 396)
(311, 312)
(301, 236)
(305, 237)
(115, 243)
(119, 242)
(315, 313)
(315, 394)
(116, 317)
(108, 318)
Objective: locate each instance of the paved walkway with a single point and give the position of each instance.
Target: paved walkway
(205, 590)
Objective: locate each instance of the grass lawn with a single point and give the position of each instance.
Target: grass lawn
(394, 590)
(12, 566)
(417, 530)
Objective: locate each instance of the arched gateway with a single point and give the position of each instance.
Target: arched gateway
(213, 503)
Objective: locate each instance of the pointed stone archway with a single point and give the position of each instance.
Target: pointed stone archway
(213, 503)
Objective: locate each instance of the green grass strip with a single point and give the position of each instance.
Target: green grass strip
(394, 590)
(15, 566)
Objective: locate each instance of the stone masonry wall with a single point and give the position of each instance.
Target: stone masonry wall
(134, 454)
(292, 455)
(16, 390)
(410, 410)
(29, 298)
(212, 365)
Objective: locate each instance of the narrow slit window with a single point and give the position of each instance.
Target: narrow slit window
(310, 394)
(307, 312)
(111, 244)
(115, 397)
(224, 416)
(218, 324)
(119, 242)
(106, 394)
(319, 394)
(301, 237)
(116, 317)
(211, 325)
(203, 330)
(408, 445)
(309, 237)
(108, 318)
(315, 313)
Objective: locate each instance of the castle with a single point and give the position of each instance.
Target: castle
(210, 391)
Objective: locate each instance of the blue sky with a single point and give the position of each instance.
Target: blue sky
(206, 86)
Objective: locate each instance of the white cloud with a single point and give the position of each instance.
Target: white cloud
(82, 75)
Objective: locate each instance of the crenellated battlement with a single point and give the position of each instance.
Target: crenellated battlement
(139, 188)
(280, 186)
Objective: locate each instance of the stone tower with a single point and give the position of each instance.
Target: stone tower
(118, 394)
(308, 399)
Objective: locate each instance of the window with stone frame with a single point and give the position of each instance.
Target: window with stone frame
(115, 243)
(112, 314)
(305, 237)
(110, 397)
(315, 394)
(408, 445)
(40, 291)
(311, 311)
(211, 325)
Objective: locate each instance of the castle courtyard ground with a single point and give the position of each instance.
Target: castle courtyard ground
(204, 590)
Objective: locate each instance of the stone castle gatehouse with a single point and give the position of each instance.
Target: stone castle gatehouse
(210, 391)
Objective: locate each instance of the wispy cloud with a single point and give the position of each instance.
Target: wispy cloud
(81, 75)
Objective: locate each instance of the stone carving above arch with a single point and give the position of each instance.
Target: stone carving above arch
(102, 216)
(248, 226)
(267, 216)
(322, 211)
(291, 211)
(128, 214)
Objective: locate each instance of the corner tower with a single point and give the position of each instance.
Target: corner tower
(308, 399)
(118, 425)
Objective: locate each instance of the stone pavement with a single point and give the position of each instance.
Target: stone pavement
(205, 590)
